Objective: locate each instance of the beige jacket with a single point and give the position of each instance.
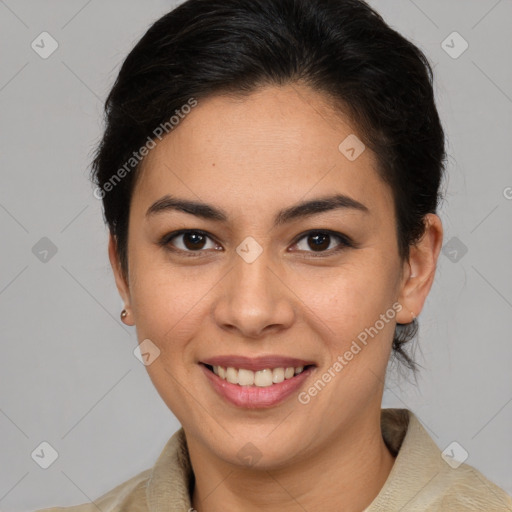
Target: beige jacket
(420, 480)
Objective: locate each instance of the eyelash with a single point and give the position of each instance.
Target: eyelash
(345, 242)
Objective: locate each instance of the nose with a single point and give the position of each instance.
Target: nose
(254, 300)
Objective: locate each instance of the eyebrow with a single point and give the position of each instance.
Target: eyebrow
(300, 210)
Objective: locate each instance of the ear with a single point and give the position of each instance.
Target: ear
(419, 271)
(122, 285)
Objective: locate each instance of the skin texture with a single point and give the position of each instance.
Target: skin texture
(252, 157)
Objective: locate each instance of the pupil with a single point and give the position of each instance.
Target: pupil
(195, 238)
(321, 241)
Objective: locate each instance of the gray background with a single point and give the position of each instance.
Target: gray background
(68, 373)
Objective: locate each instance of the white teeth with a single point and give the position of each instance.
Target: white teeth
(261, 378)
(245, 377)
(232, 375)
(278, 375)
(289, 372)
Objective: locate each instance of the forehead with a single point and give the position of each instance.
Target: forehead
(278, 144)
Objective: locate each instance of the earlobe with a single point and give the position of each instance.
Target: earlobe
(420, 270)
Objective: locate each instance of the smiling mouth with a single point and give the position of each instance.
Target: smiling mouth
(263, 378)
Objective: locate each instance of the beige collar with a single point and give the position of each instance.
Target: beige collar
(419, 479)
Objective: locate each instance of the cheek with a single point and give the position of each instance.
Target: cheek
(167, 304)
(347, 300)
(167, 309)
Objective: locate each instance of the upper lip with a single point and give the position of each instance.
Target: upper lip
(256, 363)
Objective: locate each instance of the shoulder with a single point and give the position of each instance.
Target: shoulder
(170, 477)
(466, 488)
(130, 495)
(425, 479)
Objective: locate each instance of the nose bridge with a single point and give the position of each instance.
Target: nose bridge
(254, 298)
(253, 275)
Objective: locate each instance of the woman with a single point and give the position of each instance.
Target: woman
(270, 174)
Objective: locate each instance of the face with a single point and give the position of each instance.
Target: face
(259, 275)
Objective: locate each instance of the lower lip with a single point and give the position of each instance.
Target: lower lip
(255, 397)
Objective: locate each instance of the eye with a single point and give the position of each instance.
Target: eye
(188, 241)
(323, 241)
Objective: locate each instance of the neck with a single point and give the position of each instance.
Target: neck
(346, 473)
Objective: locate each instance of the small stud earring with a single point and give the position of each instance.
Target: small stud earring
(124, 314)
